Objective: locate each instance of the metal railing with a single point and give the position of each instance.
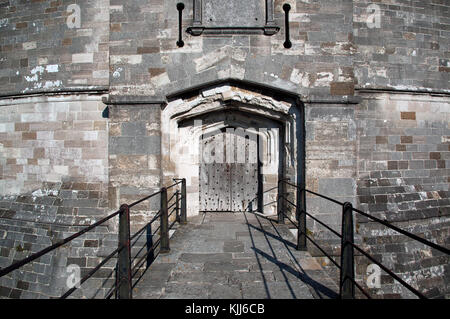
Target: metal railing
(347, 280)
(123, 286)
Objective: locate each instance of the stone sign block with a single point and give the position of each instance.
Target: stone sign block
(235, 13)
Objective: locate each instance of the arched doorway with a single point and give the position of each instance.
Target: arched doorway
(230, 167)
(237, 160)
(264, 132)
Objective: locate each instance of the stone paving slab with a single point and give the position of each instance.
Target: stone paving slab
(234, 256)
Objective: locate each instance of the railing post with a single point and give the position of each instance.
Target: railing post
(177, 205)
(281, 203)
(151, 254)
(347, 287)
(164, 222)
(124, 262)
(183, 215)
(301, 211)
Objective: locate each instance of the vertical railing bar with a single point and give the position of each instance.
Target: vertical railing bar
(281, 204)
(123, 278)
(347, 275)
(183, 214)
(164, 223)
(177, 206)
(301, 232)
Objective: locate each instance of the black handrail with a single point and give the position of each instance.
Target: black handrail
(404, 232)
(152, 249)
(18, 264)
(144, 199)
(347, 256)
(385, 223)
(323, 251)
(92, 272)
(177, 182)
(404, 283)
(143, 228)
(124, 240)
(315, 219)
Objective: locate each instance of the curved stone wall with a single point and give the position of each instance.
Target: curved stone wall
(373, 79)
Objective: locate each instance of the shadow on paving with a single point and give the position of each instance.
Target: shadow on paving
(320, 291)
(234, 256)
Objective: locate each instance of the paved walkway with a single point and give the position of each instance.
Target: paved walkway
(234, 256)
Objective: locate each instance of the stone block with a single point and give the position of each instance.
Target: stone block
(134, 129)
(337, 187)
(342, 88)
(83, 58)
(135, 145)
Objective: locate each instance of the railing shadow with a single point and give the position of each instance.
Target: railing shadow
(319, 289)
(150, 255)
(317, 286)
(280, 239)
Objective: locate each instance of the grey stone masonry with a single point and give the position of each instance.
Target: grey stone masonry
(402, 45)
(145, 59)
(53, 45)
(403, 177)
(91, 92)
(134, 156)
(32, 222)
(337, 46)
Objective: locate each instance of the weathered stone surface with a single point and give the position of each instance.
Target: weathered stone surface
(40, 220)
(398, 183)
(54, 140)
(387, 153)
(53, 45)
(265, 269)
(395, 62)
(332, 45)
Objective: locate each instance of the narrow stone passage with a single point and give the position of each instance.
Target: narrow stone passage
(234, 256)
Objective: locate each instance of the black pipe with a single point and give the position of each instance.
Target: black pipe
(180, 7)
(287, 7)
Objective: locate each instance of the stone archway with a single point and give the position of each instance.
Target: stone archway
(276, 120)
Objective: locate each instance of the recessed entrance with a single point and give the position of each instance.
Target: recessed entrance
(233, 141)
(230, 170)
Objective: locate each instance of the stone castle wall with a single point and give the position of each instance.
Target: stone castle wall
(403, 177)
(52, 139)
(32, 222)
(69, 159)
(400, 149)
(407, 50)
(43, 48)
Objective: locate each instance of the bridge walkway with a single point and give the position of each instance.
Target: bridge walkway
(234, 256)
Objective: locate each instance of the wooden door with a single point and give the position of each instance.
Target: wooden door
(244, 173)
(214, 179)
(229, 172)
